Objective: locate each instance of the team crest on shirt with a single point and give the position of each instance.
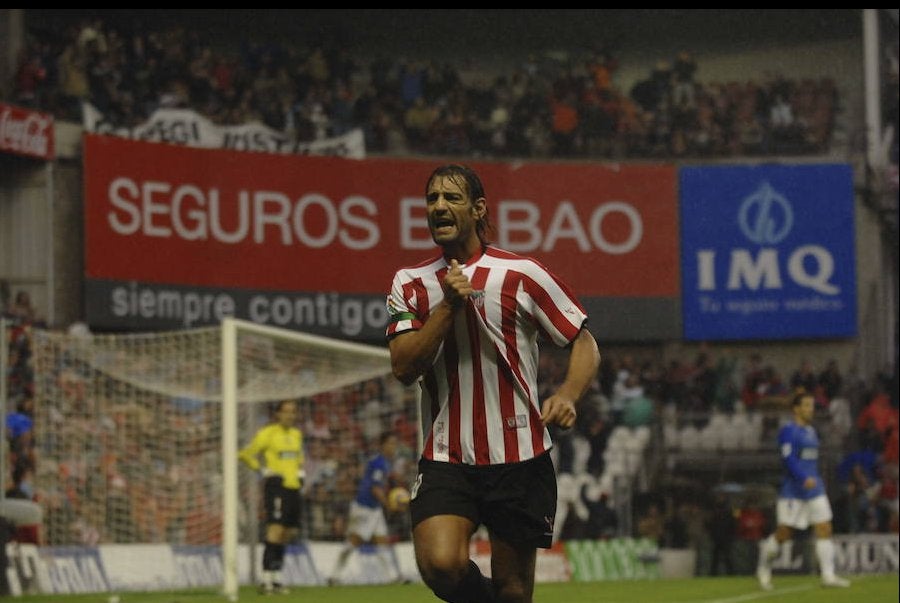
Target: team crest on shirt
(477, 298)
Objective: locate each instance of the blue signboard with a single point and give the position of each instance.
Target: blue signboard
(767, 252)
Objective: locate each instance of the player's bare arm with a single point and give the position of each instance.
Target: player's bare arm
(413, 352)
(584, 359)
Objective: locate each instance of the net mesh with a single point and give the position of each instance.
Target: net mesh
(128, 429)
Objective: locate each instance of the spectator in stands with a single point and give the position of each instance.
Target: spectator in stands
(722, 527)
(564, 125)
(856, 474)
(594, 425)
(627, 388)
(830, 380)
(804, 377)
(877, 418)
(676, 531)
(752, 525)
(21, 311)
(891, 453)
(418, 121)
(639, 410)
(572, 512)
(683, 86)
(701, 384)
(675, 383)
(30, 79)
(651, 524)
(884, 494)
(603, 522)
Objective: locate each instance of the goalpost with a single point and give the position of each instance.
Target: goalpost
(138, 433)
(337, 363)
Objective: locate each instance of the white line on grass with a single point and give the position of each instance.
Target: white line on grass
(754, 596)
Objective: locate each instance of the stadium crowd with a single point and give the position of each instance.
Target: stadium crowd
(538, 108)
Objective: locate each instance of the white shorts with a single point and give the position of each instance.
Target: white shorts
(800, 514)
(366, 522)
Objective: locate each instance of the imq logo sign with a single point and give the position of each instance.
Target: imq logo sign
(768, 252)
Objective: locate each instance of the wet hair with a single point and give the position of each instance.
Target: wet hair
(469, 181)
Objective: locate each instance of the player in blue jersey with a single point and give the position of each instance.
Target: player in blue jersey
(802, 500)
(366, 522)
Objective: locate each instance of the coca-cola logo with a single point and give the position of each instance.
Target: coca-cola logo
(27, 133)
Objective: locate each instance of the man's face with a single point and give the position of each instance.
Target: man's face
(389, 447)
(287, 414)
(806, 409)
(452, 215)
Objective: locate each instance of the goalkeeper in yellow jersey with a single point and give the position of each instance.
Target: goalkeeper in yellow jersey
(281, 446)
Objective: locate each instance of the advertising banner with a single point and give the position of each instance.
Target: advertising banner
(118, 568)
(179, 237)
(26, 132)
(768, 252)
(189, 128)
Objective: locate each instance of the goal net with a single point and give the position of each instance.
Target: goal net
(137, 434)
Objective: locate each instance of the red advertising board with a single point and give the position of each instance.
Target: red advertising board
(167, 214)
(26, 132)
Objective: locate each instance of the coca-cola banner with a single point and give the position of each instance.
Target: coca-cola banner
(273, 237)
(189, 128)
(26, 132)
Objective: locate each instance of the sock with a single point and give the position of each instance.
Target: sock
(825, 555)
(341, 561)
(767, 550)
(389, 561)
(473, 588)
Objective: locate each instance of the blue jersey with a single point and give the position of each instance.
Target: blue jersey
(376, 474)
(800, 457)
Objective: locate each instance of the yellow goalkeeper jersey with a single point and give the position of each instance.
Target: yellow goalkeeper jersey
(282, 450)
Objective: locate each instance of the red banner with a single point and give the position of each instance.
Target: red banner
(26, 132)
(167, 214)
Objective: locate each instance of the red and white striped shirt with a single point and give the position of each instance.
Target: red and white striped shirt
(482, 388)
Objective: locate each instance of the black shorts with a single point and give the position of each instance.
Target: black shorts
(515, 501)
(282, 504)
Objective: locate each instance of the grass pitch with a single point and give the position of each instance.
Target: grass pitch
(879, 588)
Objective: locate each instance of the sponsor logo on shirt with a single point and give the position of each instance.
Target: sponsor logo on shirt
(516, 422)
(477, 298)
